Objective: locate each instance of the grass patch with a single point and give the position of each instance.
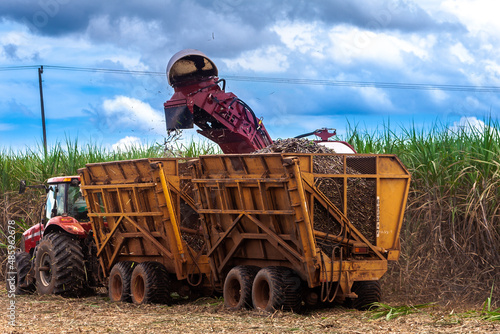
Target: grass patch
(381, 310)
(488, 313)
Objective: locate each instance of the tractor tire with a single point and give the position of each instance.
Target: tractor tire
(294, 291)
(149, 284)
(238, 287)
(59, 265)
(23, 267)
(119, 281)
(368, 292)
(268, 290)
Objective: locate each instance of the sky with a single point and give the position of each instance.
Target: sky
(344, 63)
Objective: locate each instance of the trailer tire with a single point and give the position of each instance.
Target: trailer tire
(119, 281)
(238, 287)
(294, 291)
(368, 292)
(59, 265)
(268, 290)
(23, 267)
(149, 284)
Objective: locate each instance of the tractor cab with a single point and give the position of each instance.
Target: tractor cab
(65, 210)
(64, 198)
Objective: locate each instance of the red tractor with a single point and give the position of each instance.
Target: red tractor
(58, 255)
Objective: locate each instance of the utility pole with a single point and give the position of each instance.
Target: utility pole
(40, 71)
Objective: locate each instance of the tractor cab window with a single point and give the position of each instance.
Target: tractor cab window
(50, 203)
(56, 201)
(66, 198)
(77, 207)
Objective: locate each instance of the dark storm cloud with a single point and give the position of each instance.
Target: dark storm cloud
(399, 15)
(193, 17)
(59, 17)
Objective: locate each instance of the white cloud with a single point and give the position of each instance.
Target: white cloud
(376, 97)
(127, 143)
(123, 111)
(461, 53)
(477, 16)
(349, 44)
(302, 37)
(438, 95)
(270, 59)
(469, 125)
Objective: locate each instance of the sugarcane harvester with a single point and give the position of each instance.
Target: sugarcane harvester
(199, 100)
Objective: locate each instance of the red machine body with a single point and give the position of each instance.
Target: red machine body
(60, 221)
(198, 99)
(325, 134)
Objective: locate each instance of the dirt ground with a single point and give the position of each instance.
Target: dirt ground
(53, 314)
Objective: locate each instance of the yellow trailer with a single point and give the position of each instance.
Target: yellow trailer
(272, 231)
(287, 228)
(146, 229)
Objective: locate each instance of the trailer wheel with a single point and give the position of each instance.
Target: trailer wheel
(268, 293)
(294, 291)
(23, 267)
(149, 283)
(119, 281)
(368, 292)
(59, 265)
(238, 287)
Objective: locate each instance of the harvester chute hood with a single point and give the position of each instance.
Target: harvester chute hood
(189, 65)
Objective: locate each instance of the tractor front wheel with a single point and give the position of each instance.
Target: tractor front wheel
(59, 265)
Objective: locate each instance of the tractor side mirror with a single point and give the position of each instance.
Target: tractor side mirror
(22, 186)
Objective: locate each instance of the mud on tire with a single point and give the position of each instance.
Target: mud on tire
(238, 287)
(59, 265)
(119, 281)
(149, 284)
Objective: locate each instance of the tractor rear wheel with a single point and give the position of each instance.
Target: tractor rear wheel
(368, 292)
(238, 287)
(268, 293)
(149, 283)
(23, 267)
(119, 281)
(59, 265)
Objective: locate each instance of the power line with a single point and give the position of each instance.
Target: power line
(292, 81)
(104, 70)
(387, 85)
(15, 68)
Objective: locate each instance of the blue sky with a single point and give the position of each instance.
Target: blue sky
(406, 42)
